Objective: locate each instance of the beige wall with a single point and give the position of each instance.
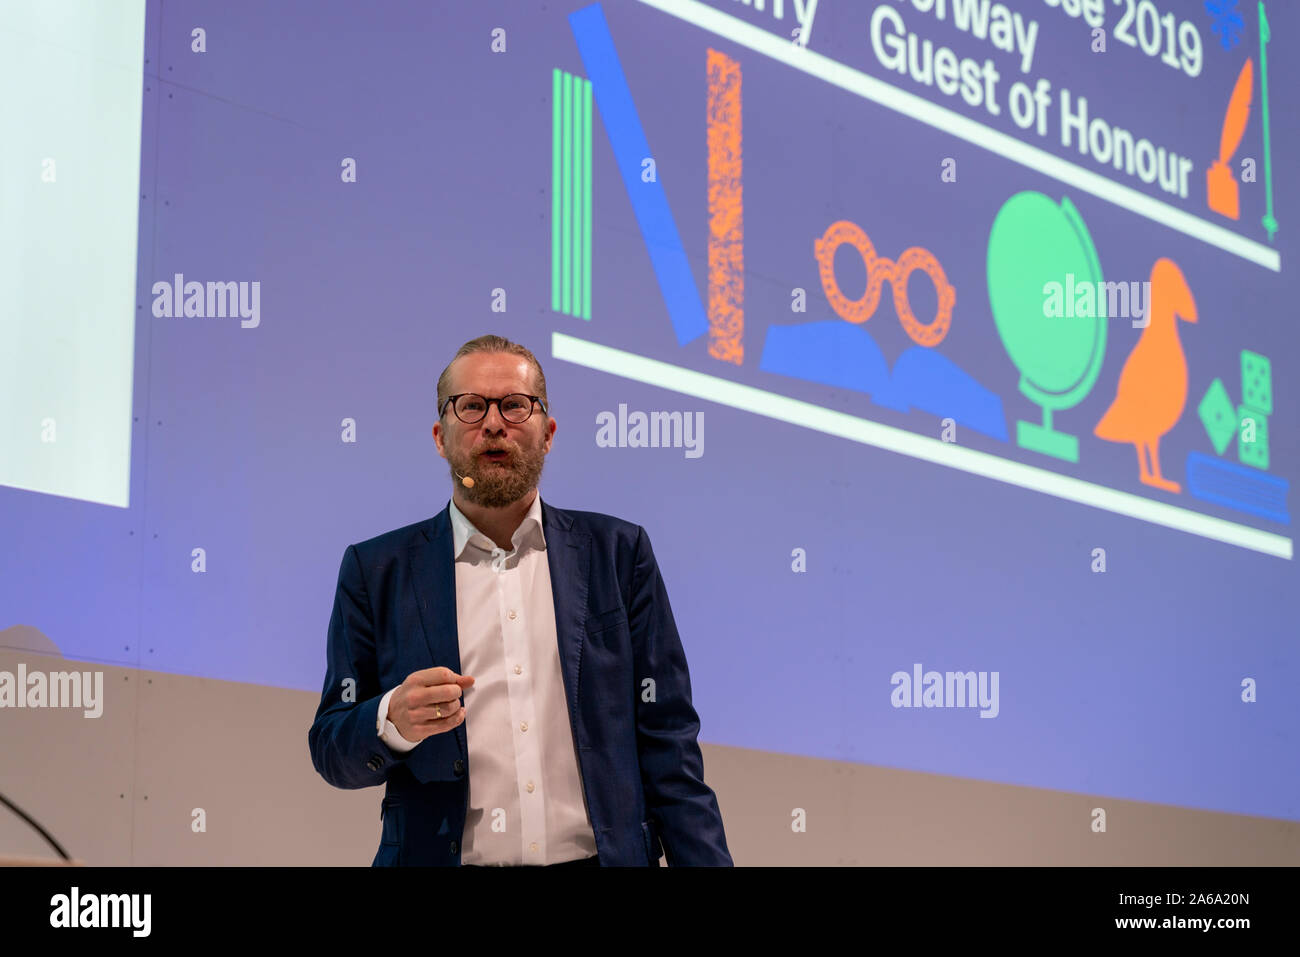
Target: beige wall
(121, 789)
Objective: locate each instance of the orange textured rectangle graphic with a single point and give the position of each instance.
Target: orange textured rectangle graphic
(726, 211)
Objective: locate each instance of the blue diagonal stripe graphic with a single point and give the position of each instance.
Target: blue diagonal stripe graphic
(619, 117)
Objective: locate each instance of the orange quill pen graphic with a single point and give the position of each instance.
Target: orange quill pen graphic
(1221, 186)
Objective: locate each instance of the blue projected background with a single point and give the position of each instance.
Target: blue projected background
(981, 315)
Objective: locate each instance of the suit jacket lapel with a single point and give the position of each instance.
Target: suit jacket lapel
(433, 578)
(568, 557)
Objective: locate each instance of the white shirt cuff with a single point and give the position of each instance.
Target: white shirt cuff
(387, 731)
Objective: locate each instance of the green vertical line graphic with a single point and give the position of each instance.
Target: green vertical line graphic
(571, 118)
(566, 204)
(586, 200)
(575, 195)
(1269, 222)
(579, 280)
(555, 189)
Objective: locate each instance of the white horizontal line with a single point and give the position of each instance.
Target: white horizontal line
(842, 425)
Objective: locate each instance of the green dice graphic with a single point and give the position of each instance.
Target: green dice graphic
(1218, 415)
(1252, 452)
(1256, 382)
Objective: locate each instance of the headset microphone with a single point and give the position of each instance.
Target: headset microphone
(466, 481)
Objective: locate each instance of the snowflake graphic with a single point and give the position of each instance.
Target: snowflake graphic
(1227, 21)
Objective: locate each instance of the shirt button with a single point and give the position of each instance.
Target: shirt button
(512, 614)
(529, 786)
(518, 670)
(523, 725)
(532, 846)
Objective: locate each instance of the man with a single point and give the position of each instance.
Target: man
(512, 670)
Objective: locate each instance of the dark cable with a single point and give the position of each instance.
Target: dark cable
(44, 833)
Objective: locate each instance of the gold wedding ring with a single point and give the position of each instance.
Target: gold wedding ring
(437, 710)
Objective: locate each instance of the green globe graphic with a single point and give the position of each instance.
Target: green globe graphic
(1035, 242)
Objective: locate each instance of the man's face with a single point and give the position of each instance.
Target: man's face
(511, 474)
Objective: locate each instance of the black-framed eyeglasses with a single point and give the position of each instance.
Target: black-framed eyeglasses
(470, 407)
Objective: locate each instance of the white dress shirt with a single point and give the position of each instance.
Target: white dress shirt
(526, 804)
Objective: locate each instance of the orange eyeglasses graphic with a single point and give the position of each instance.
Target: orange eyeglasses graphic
(879, 271)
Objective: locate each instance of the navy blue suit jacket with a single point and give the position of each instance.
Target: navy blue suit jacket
(642, 771)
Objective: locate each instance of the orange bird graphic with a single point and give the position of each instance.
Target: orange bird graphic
(1153, 384)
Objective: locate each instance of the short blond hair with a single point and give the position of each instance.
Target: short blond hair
(492, 343)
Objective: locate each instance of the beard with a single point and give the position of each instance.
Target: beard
(497, 484)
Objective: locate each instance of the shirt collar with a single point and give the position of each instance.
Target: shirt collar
(464, 533)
